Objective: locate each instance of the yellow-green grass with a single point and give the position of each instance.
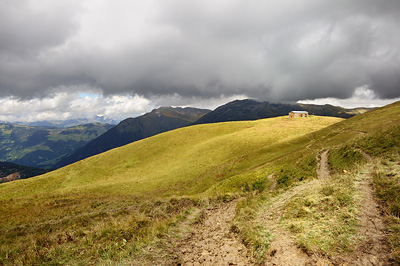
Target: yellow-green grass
(182, 162)
(105, 208)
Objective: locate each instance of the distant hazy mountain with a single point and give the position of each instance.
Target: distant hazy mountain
(252, 110)
(42, 146)
(68, 123)
(133, 129)
(12, 171)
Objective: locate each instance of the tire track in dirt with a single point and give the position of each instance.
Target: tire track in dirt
(211, 242)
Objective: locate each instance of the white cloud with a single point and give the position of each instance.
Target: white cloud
(362, 97)
(89, 103)
(63, 106)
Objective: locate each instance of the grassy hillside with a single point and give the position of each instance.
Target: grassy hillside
(107, 208)
(116, 186)
(133, 129)
(43, 146)
(183, 162)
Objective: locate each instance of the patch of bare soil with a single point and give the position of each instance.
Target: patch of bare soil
(284, 251)
(211, 242)
(323, 168)
(374, 248)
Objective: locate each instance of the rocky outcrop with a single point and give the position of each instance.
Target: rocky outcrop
(11, 177)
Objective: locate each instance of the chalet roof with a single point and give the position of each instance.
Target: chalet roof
(299, 112)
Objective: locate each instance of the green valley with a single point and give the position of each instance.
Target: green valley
(43, 146)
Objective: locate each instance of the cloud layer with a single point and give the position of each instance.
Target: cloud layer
(179, 50)
(66, 106)
(362, 97)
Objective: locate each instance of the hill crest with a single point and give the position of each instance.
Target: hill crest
(132, 129)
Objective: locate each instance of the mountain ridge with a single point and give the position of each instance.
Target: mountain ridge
(248, 109)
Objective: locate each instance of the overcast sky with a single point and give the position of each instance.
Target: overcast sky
(72, 58)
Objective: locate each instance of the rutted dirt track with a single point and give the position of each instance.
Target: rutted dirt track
(211, 242)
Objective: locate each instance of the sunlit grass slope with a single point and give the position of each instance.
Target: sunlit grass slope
(107, 207)
(182, 162)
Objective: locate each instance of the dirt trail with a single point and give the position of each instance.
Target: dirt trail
(211, 242)
(323, 168)
(374, 248)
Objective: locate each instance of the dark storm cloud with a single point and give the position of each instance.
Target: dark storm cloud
(275, 50)
(27, 28)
